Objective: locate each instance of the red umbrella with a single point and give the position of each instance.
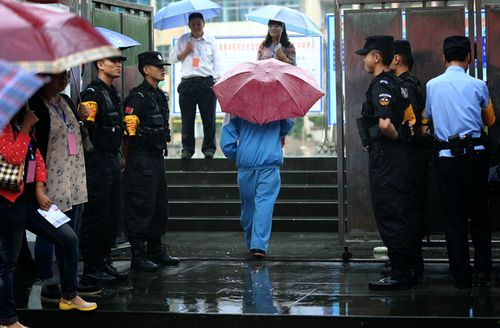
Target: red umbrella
(42, 40)
(267, 90)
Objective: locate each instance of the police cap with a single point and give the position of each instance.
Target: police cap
(151, 58)
(402, 47)
(376, 42)
(456, 42)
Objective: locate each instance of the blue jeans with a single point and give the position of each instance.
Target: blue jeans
(14, 219)
(44, 250)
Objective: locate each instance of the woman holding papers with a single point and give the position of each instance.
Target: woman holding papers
(18, 211)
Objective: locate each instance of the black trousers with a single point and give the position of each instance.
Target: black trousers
(419, 164)
(101, 213)
(463, 187)
(192, 92)
(390, 192)
(146, 198)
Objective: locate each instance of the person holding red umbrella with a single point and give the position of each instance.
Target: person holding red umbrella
(258, 154)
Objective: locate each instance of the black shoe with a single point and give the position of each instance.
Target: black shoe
(112, 271)
(142, 264)
(389, 283)
(209, 154)
(158, 255)
(186, 154)
(258, 254)
(87, 289)
(51, 294)
(481, 279)
(97, 276)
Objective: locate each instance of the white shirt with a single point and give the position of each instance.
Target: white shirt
(206, 49)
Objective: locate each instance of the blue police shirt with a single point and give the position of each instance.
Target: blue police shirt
(454, 104)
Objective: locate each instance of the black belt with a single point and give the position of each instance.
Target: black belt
(197, 78)
(446, 145)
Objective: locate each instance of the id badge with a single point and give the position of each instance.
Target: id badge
(72, 147)
(30, 177)
(196, 62)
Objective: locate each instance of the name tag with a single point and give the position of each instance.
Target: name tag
(72, 147)
(196, 62)
(30, 177)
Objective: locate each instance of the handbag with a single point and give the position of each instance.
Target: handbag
(11, 176)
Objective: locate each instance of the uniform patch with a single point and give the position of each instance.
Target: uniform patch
(129, 110)
(404, 92)
(383, 82)
(384, 99)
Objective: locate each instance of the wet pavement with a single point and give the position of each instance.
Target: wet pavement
(299, 278)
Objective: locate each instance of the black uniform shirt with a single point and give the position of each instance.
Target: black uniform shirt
(109, 114)
(147, 102)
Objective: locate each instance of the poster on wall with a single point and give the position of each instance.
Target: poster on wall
(236, 50)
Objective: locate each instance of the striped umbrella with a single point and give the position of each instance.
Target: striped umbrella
(16, 87)
(43, 40)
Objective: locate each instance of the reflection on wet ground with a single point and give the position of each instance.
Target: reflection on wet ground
(322, 288)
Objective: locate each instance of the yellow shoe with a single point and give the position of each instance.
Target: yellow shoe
(76, 304)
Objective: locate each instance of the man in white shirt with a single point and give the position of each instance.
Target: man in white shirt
(201, 67)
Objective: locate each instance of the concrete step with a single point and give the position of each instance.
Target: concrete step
(229, 177)
(222, 164)
(231, 191)
(232, 223)
(211, 208)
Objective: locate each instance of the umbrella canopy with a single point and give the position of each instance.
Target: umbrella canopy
(267, 90)
(176, 14)
(119, 40)
(42, 40)
(16, 87)
(294, 20)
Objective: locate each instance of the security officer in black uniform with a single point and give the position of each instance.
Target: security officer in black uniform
(419, 147)
(147, 133)
(101, 213)
(385, 109)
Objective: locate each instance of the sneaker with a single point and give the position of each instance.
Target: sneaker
(186, 154)
(51, 294)
(209, 154)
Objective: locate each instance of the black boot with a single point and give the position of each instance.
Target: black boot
(158, 254)
(393, 281)
(112, 271)
(140, 262)
(93, 273)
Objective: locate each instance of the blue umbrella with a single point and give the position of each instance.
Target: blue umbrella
(16, 87)
(294, 20)
(176, 13)
(117, 39)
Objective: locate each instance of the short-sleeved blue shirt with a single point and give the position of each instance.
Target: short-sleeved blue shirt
(454, 104)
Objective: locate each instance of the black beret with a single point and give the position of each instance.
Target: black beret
(456, 41)
(376, 42)
(151, 58)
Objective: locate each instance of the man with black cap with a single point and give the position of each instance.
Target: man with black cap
(459, 106)
(101, 213)
(147, 133)
(384, 112)
(201, 67)
(419, 147)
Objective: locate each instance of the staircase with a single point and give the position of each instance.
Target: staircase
(204, 195)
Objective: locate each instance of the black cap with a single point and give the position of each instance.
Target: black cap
(456, 41)
(151, 58)
(122, 58)
(376, 42)
(402, 47)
